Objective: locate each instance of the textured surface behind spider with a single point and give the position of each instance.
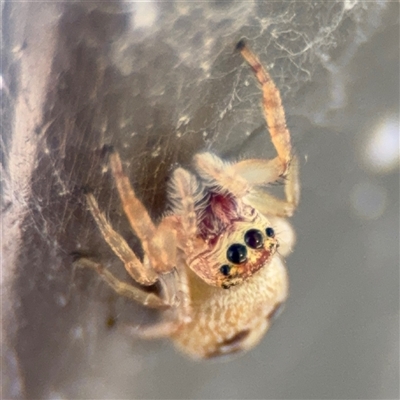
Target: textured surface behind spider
(160, 81)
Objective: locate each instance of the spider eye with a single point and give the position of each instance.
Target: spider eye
(225, 270)
(237, 253)
(254, 239)
(270, 232)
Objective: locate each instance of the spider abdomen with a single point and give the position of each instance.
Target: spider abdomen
(231, 321)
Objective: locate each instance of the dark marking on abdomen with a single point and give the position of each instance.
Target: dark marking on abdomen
(275, 312)
(236, 339)
(230, 346)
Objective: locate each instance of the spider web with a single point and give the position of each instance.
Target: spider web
(159, 81)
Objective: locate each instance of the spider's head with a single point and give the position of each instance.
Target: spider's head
(236, 254)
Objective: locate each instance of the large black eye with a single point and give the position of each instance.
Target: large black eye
(254, 238)
(225, 269)
(270, 232)
(237, 253)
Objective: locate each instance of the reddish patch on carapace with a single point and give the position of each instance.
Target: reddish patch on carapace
(220, 213)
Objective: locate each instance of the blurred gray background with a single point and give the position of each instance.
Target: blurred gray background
(160, 81)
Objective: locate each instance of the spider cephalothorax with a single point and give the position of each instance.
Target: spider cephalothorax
(220, 234)
(236, 241)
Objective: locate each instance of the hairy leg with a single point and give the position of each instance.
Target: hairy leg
(238, 178)
(271, 205)
(245, 178)
(158, 243)
(140, 272)
(122, 288)
(272, 105)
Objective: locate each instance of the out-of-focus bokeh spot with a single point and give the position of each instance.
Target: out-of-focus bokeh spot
(380, 152)
(144, 15)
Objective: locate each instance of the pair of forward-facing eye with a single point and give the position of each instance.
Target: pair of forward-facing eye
(237, 252)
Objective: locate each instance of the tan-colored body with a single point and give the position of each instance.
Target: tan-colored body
(218, 253)
(234, 320)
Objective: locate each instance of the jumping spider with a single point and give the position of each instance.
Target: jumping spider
(215, 254)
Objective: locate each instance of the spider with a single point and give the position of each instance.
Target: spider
(215, 254)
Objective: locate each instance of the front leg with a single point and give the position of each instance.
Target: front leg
(272, 105)
(271, 205)
(247, 179)
(160, 242)
(159, 245)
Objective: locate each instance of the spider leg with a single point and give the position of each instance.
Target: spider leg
(122, 288)
(158, 243)
(280, 137)
(272, 104)
(244, 178)
(271, 205)
(155, 331)
(140, 272)
(180, 308)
